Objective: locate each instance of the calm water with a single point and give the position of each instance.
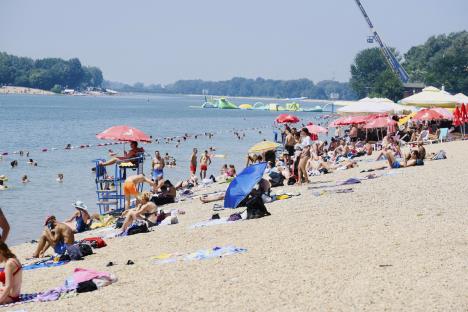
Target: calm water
(31, 123)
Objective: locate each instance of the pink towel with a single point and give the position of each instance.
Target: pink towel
(83, 275)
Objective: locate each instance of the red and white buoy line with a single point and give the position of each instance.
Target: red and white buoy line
(156, 140)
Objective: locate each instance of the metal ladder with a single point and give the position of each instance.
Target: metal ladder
(109, 190)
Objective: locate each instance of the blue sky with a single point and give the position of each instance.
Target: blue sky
(156, 41)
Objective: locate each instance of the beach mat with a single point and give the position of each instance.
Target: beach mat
(202, 254)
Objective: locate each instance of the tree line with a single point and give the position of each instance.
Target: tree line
(247, 87)
(48, 73)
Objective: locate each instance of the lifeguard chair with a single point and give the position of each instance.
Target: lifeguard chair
(110, 196)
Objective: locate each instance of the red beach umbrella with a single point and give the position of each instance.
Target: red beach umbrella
(457, 117)
(124, 133)
(464, 113)
(381, 122)
(316, 129)
(285, 118)
(428, 114)
(444, 112)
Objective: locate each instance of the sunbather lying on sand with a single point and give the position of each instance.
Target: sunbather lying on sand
(412, 160)
(212, 197)
(189, 183)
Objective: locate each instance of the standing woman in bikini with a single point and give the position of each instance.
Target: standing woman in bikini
(11, 277)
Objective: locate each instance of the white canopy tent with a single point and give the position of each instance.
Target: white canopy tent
(431, 97)
(461, 98)
(375, 106)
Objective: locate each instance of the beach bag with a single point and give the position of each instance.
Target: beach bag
(276, 179)
(119, 223)
(74, 252)
(256, 208)
(234, 217)
(292, 181)
(96, 242)
(439, 155)
(85, 249)
(86, 286)
(138, 228)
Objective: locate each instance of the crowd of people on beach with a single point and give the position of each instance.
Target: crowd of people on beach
(300, 156)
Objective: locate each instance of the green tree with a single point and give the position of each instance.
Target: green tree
(56, 89)
(441, 60)
(371, 75)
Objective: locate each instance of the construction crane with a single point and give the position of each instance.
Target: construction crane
(388, 55)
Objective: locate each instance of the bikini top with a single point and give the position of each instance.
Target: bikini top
(3, 276)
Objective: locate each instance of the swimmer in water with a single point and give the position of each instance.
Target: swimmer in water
(2, 186)
(25, 179)
(60, 177)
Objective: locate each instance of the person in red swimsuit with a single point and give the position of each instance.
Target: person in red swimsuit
(11, 277)
(193, 162)
(205, 160)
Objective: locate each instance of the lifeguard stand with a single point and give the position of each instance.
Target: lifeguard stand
(109, 189)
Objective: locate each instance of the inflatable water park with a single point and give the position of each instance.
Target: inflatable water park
(224, 103)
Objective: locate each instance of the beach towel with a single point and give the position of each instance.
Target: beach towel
(44, 264)
(210, 223)
(439, 155)
(338, 191)
(338, 183)
(202, 254)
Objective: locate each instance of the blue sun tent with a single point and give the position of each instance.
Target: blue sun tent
(243, 184)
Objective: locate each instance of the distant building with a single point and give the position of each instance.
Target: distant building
(69, 91)
(412, 88)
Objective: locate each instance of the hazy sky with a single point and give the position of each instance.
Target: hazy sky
(156, 41)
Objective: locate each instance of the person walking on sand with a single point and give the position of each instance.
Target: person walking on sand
(193, 162)
(205, 160)
(130, 187)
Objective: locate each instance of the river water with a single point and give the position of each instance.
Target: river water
(33, 123)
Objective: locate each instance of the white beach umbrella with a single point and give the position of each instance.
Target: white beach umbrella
(374, 106)
(461, 98)
(430, 97)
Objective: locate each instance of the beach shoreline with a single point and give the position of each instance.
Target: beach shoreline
(382, 247)
(24, 90)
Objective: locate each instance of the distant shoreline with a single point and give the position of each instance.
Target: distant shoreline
(263, 98)
(33, 91)
(24, 90)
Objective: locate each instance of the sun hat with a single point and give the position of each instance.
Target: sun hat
(3, 177)
(80, 205)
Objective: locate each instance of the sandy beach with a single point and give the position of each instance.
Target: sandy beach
(24, 90)
(398, 242)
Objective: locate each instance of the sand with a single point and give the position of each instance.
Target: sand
(23, 90)
(399, 242)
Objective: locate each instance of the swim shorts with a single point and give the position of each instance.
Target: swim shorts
(157, 173)
(396, 165)
(290, 149)
(203, 167)
(193, 169)
(60, 248)
(130, 189)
